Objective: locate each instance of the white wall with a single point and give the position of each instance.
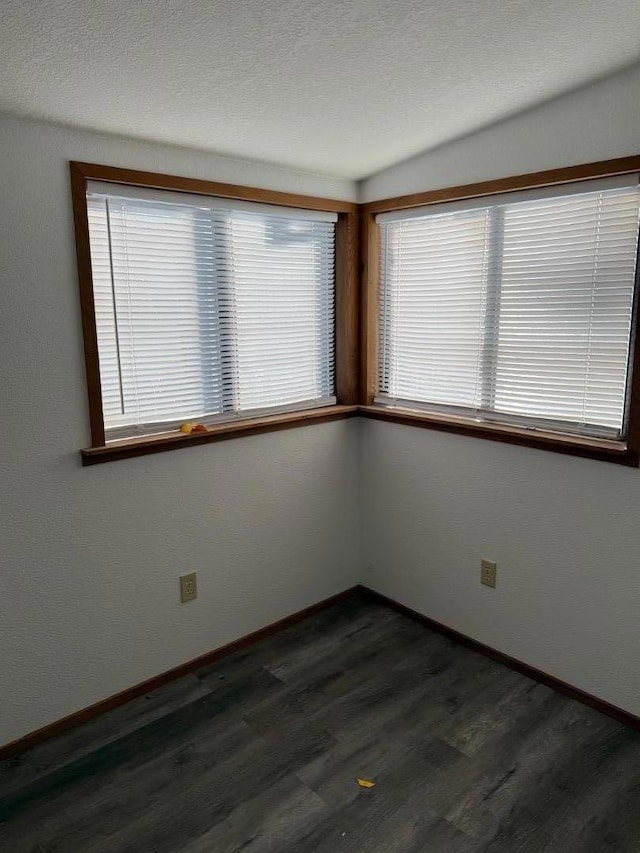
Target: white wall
(90, 557)
(565, 532)
(596, 123)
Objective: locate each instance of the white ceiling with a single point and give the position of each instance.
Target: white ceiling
(341, 87)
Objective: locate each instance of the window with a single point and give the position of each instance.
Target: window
(208, 311)
(214, 303)
(516, 308)
(505, 310)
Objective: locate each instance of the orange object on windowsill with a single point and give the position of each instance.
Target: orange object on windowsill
(188, 428)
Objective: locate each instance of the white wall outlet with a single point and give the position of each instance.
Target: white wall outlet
(488, 571)
(188, 587)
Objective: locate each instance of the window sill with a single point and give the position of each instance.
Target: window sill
(127, 448)
(591, 448)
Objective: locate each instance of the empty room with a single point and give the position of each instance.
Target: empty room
(320, 426)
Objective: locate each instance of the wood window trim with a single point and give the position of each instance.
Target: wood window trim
(574, 445)
(148, 444)
(514, 183)
(624, 453)
(347, 309)
(357, 280)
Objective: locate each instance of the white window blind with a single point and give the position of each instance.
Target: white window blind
(517, 309)
(208, 310)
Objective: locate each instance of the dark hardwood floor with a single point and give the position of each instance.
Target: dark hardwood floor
(260, 753)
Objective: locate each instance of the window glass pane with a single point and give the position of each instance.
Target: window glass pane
(516, 311)
(277, 276)
(434, 290)
(207, 312)
(162, 292)
(566, 306)
(103, 297)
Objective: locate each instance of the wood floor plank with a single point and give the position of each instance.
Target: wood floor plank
(358, 825)
(157, 736)
(57, 752)
(201, 799)
(278, 815)
(261, 751)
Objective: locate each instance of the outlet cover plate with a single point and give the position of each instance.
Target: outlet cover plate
(188, 587)
(488, 571)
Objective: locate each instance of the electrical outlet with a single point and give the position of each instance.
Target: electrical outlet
(188, 587)
(488, 571)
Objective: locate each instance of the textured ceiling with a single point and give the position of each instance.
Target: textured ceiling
(342, 87)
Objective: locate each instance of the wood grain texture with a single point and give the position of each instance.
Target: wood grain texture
(87, 309)
(129, 448)
(146, 688)
(370, 285)
(155, 180)
(567, 174)
(633, 389)
(347, 307)
(357, 317)
(531, 672)
(629, 454)
(622, 453)
(468, 756)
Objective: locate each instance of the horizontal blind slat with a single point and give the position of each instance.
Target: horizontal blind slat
(209, 312)
(523, 308)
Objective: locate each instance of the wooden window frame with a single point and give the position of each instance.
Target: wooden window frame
(346, 311)
(357, 316)
(625, 452)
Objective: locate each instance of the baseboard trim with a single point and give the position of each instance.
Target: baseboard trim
(27, 741)
(524, 668)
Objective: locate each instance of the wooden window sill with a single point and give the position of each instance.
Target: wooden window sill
(591, 448)
(127, 448)
(575, 445)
